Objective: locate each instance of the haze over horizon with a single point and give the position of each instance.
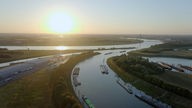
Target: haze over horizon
(96, 17)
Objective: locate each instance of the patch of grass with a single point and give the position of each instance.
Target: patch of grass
(30, 91)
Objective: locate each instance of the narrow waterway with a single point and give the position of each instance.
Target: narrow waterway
(102, 89)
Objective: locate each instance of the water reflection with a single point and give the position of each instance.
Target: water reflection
(146, 43)
(61, 48)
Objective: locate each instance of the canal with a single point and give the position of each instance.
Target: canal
(102, 89)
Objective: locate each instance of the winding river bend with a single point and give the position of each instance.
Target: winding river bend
(102, 89)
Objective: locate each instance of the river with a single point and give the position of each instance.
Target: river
(76, 47)
(103, 90)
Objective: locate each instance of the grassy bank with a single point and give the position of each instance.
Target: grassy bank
(158, 83)
(171, 49)
(44, 89)
(66, 40)
(11, 55)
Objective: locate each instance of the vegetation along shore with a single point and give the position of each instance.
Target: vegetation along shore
(167, 86)
(179, 49)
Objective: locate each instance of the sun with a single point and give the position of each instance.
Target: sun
(60, 22)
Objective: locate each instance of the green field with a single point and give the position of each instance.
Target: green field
(44, 89)
(172, 88)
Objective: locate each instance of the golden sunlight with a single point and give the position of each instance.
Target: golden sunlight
(61, 48)
(60, 22)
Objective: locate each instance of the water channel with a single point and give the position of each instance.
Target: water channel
(102, 89)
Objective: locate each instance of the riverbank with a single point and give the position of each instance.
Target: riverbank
(12, 55)
(153, 83)
(171, 49)
(64, 40)
(47, 88)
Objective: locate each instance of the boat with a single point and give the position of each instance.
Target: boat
(165, 66)
(104, 69)
(76, 71)
(153, 102)
(75, 75)
(143, 98)
(122, 51)
(76, 82)
(169, 67)
(108, 53)
(177, 68)
(128, 89)
(87, 101)
(186, 67)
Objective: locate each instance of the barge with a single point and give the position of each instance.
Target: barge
(108, 53)
(164, 65)
(128, 89)
(170, 67)
(75, 75)
(177, 68)
(122, 51)
(104, 69)
(186, 67)
(87, 101)
(76, 82)
(153, 102)
(76, 71)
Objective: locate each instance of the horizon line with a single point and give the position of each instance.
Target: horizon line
(101, 33)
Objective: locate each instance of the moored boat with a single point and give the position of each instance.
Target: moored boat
(87, 101)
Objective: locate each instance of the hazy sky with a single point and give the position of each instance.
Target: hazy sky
(100, 16)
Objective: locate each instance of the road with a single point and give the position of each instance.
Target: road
(15, 71)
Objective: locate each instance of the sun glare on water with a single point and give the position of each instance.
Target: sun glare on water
(61, 48)
(60, 22)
